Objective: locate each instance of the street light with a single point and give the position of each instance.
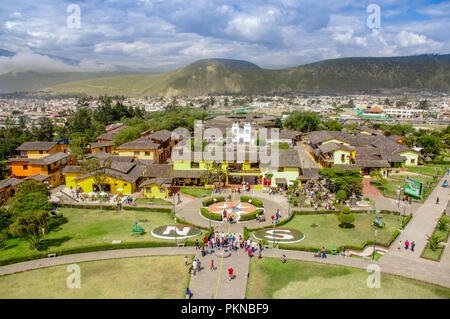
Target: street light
(374, 245)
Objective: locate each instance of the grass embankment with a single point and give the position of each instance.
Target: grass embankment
(86, 227)
(328, 232)
(159, 277)
(269, 279)
(196, 192)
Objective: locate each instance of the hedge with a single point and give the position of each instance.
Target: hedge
(245, 233)
(210, 201)
(92, 248)
(255, 202)
(114, 207)
(251, 216)
(183, 222)
(213, 216)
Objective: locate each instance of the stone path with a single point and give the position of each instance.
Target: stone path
(369, 189)
(423, 222)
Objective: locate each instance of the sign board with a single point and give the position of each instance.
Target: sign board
(413, 188)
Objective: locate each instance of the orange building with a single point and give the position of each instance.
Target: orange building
(8, 188)
(40, 161)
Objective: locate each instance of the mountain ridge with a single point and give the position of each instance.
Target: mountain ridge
(225, 76)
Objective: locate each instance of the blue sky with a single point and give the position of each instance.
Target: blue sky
(164, 34)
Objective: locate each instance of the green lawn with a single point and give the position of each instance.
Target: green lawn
(436, 254)
(428, 170)
(269, 279)
(329, 233)
(89, 226)
(196, 192)
(391, 187)
(155, 201)
(159, 277)
(421, 179)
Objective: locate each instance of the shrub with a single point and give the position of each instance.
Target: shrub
(210, 201)
(213, 216)
(346, 218)
(341, 195)
(255, 202)
(251, 216)
(245, 233)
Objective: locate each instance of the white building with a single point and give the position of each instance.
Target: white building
(403, 113)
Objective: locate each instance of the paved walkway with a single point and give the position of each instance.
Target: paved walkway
(423, 222)
(369, 189)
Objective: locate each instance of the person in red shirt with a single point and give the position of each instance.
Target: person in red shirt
(212, 265)
(230, 273)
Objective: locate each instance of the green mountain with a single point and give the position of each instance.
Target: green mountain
(215, 76)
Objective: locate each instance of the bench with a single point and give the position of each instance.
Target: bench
(180, 244)
(51, 255)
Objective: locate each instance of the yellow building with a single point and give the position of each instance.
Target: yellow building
(119, 178)
(8, 188)
(156, 146)
(40, 149)
(157, 187)
(107, 147)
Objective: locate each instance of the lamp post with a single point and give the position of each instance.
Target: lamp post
(175, 218)
(374, 245)
(45, 239)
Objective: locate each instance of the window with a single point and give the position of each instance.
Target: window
(25, 167)
(137, 153)
(343, 158)
(147, 153)
(254, 165)
(413, 161)
(40, 152)
(195, 165)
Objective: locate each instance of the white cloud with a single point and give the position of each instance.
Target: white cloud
(407, 39)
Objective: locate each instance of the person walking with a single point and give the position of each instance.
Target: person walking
(185, 261)
(197, 244)
(324, 253)
(400, 245)
(203, 251)
(437, 200)
(413, 244)
(406, 244)
(212, 265)
(283, 259)
(230, 273)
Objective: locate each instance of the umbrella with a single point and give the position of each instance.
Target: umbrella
(103, 194)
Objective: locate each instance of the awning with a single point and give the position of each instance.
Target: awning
(280, 181)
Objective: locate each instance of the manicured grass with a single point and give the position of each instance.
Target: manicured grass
(88, 226)
(391, 187)
(329, 233)
(436, 254)
(159, 277)
(269, 279)
(196, 192)
(421, 179)
(155, 201)
(428, 170)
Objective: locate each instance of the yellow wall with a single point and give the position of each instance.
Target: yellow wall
(410, 156)
(154, 191)
(87, 183)
(140, 156)
(55, 149)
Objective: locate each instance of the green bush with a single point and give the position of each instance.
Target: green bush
(213, 216)
(341, 195)
(210, 201)
(251, 216)
(255, 202)
(245, 233)
(346, 218)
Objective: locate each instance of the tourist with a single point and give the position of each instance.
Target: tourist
(413, 244)
(185, 261)
(230, 273)
(406, 244)
(250, 252)
(203, 251)
(239, 191)
(324, 253)
(400, 245)
(188, 293)
(273, 219)
(197, 244)
(283, 259)
(437, 200)
(212, 265)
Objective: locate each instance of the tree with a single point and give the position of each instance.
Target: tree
(334, 125)
(44, 131)
(278, 123)
(77, 144)
(268, 176)
(431, 144)
(434, 241)
(346, 218)
(31, 227)
(336, 179)
(31, 196)
(341, 196)
(214, 173)
(97, 169)
(302, 121)
(423, 105)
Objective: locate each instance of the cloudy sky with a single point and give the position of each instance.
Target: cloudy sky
(164, 34)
